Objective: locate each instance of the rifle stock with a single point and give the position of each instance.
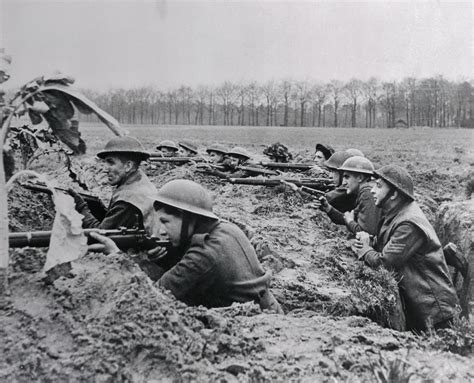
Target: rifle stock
(304, 190)
(123, 238)
(94, 203)
(314, 183)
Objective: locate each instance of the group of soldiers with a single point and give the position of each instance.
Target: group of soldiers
(212, 263)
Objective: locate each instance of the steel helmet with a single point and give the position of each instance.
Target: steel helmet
(239, 152)
(336, 160)
(185, 195)
(355, 152)
(167, 144)
(325, 149)
(358, 164)
(218, 148)
(397, 177)
(189, 146)
(124, 145)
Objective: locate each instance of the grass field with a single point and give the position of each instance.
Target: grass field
(419, 146)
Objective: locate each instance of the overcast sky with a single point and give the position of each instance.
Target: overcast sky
(105, 44)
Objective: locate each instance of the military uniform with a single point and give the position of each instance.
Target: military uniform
(131, 206)
(366, 214)
(218, 268)
(408, 245)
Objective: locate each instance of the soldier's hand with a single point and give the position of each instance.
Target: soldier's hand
(349, 216)
(78, 200)
(104, 245)
(324, 204)
(361, 245)
(157, 253)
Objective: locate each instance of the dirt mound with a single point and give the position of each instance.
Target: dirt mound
(455, 223)
(29, 211)
(108, 322)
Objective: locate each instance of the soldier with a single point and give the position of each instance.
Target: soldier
(322, 153)
(238, 156)
(407, 244)
(131, 205)
(217, 153)
(188, 149)
(338, 198)
(218, 265)
(357, 172)
(167, 148)
(355, 152)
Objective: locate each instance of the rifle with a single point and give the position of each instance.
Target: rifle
(123, 238)
(314, 183)
(304, 190)
(286, 166)
(221, 168)
(257, 170)
(176, 160)
(94, 203)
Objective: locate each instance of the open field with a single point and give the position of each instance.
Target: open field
(109, 322)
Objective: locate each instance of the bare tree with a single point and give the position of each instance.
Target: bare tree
(335, 90)
(353, 91)
(318, 96)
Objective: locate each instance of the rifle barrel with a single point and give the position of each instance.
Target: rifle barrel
(257, 170)
(176, 160)
(123, 238)
(286, 165)
(315, 183)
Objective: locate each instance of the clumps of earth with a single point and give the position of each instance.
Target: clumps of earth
(108, 321)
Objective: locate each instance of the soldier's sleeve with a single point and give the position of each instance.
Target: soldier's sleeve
(406, 240)
(193, 273)
(336, 216)
(367, 216)
(122, 214)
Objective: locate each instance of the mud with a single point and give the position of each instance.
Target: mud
(109, 322)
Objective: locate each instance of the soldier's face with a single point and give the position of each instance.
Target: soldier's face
(336, 177)
(351, 182)
(167, 152)
(216, 157)
(186, 153)
(116, 169)
(170, 227)
(380, 191)
(319, 158)
(234, 161)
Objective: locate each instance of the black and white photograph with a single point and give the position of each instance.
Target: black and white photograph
(236, 191)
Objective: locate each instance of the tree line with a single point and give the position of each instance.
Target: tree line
(432, 102)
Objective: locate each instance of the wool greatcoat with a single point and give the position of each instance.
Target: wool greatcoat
(219, 267)
(408, 245)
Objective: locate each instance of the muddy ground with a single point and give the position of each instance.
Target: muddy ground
(108, 321)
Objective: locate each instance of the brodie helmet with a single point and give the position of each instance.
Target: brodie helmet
(124, 145)
(336, 160)
(187, 196)
(239, 152)
(355, 152)
(397, 177)
(167, 144)
(358, 164)
(188, 146)
(218, 148)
